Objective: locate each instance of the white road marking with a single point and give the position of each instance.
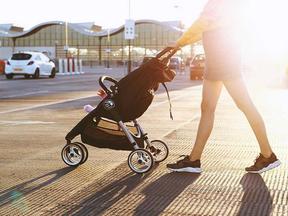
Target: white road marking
(197, 116)
(24, 122)
(45, 104)
(68, 82)
(25, 94)
(166, 101)
(83, 97)
(174, 98)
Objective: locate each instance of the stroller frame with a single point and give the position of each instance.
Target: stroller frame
(141, 159)
(130, 137)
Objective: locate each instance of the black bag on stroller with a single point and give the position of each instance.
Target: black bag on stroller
(126, 100)
(136, 90)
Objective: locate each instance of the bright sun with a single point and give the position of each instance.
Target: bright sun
(265, 41)
(266, 32)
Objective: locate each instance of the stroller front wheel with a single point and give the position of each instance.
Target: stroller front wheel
(85, 152)
(72, 154)
(159, 150)
(140, 161)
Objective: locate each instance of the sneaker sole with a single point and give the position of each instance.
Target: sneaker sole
(187, 169)
(269, 167)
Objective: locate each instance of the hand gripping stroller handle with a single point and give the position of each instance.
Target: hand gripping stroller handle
(166, 54)
(107, 78)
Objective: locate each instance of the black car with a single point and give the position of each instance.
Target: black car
(197, 66)
(176, 63)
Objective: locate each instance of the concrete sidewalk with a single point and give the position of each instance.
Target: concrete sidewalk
(222, 189)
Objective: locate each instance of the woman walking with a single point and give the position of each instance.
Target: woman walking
(218, 27)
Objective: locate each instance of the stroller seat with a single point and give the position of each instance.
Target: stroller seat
(106, 133)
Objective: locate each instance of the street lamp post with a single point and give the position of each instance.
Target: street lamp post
(56, 47)
(14, 44)
(66, 40)
(129, 42)
(108, 50)
(129, 55)
(129, 35)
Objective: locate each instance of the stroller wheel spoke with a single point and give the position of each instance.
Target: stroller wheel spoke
(72, 154)
(85, 152)
(140, 161)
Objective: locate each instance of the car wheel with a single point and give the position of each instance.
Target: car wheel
(26, 76)
(53, 73)
(9, 76)
(36, 74)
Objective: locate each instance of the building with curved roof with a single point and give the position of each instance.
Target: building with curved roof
(88, 41)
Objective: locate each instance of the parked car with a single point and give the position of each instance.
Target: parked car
(34, 64)
(197, 66)
(176, 63)
(146, 59)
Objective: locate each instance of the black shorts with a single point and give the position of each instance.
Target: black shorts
(223, 54)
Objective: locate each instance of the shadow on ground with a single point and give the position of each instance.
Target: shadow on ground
(128, 189)
(99, 202)
(14, 194)
(163, 191)
(257, 199)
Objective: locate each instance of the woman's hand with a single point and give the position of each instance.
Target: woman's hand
(101, 93)
(174, 45)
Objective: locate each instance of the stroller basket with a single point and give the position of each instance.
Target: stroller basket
(106, 133)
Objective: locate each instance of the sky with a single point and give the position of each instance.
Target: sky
(106, 13)
(266, 34)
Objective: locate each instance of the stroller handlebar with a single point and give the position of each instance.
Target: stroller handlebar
(163, 56)
(104, 87)
(166, 54)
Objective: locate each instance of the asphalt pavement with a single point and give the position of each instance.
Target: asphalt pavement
(35, 116)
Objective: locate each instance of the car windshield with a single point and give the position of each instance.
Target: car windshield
(21, 56)
(199, 58)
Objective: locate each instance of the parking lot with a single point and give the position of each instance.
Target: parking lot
(36, 114)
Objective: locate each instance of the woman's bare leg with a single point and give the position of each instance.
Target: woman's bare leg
(238, 91)
(210, 95)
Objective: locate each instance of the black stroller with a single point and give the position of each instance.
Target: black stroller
(113, 123)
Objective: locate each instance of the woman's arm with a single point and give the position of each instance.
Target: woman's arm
(194, 33)
(210, 18)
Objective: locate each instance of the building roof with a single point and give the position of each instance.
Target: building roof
(89, 28)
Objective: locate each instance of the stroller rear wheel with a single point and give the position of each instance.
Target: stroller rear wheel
(140, 161)
(72, 154)
(85, 152)
(159, 150)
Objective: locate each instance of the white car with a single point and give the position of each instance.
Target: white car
(28, 64)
